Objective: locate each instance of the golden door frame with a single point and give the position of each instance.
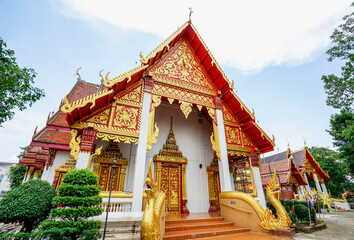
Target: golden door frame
(159, 161)
(214, 187)
(121, 165)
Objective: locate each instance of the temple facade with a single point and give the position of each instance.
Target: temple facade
(177, 108)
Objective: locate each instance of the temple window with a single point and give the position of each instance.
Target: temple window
(242, 176)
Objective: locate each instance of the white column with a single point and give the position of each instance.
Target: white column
(259, 187)
(318, 187)
(82, 160)
(140, 159)
(307, 186)
(302, 191)
(224, 172)
(324, 188)
(45, 173)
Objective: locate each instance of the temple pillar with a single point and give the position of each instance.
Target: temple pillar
(307, 182)
(86, 147)
(224, 170)
(28, 174)
(302, 192)
(254, 162)
(318, 187)
(36, 174)
(140, 159)
(324, 188)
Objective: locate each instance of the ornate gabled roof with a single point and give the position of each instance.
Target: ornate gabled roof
(187, 31)
(299, 161)
(308, 158)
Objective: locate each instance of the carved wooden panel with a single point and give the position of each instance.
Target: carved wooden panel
(171, 185)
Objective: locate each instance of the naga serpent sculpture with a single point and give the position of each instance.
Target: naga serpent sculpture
(283, 220)
(150, 225)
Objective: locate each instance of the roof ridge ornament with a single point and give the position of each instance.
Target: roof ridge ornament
(77, 73)
(190, 15)
(102, 80)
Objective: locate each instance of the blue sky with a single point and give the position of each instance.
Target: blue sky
(275, 53)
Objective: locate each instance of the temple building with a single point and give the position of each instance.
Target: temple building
(177, 108)
(295, 170)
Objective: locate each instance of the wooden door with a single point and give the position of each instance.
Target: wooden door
(105, 174)
(171, 176)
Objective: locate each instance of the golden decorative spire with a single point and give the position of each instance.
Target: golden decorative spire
(190, 15)
(102, 80)
(77, 73)
(305, 144)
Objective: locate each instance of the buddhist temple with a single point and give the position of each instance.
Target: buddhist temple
(177, 109)
(295, 170)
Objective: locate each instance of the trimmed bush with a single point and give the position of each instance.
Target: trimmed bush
(74, 204)
(302, 212)
(29, 204)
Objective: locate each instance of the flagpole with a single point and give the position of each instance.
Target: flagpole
(308, 204)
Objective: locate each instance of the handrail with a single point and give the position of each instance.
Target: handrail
(240, 209)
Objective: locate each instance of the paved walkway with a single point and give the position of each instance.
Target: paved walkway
(340, 225)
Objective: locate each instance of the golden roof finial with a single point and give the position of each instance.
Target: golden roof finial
(102, 80)
(190, 15)
(77, 73)
(305, 144)
(35, 133)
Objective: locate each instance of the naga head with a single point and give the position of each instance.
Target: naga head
(273, 185)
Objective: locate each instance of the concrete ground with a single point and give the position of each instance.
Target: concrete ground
(340, 225)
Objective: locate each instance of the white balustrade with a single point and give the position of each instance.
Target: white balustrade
(117, 204)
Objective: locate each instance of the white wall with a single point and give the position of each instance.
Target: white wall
(4, 175)
(60, 158)
(193, 141)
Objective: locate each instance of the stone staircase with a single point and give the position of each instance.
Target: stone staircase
(200, 228)
(210, 228)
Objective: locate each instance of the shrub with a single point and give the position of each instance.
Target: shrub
(29, 204)
(75, 200)
(301, 212)
(17, 173)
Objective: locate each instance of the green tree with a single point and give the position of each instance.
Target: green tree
(16, 88)
(342, 132)
(29, 204)
(331, 163)
(76, 199)
(17, 173)
(340, 89)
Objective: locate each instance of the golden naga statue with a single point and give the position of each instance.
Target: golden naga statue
(283, 220)
(344, 195)
(150, 225)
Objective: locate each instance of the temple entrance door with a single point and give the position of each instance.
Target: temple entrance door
(105, 174)
(171, 184)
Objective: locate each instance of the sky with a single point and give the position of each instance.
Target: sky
(274, 51)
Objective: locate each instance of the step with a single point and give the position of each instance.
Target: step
(194, 220)
(200, 233)
(196, 225)
(246, 236)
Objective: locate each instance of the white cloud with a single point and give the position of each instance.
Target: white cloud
(247, 35)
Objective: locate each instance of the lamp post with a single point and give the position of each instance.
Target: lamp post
(109, 196)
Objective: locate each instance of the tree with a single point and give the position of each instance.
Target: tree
(16, 88)
(340, 90)
(28, 204)
(331, 162)
(342, 132)
(76, 198)
(17, 173)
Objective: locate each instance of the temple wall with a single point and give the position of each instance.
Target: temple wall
(193, 140)
(60, 158)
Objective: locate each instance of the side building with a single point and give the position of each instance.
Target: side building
(295, 170)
